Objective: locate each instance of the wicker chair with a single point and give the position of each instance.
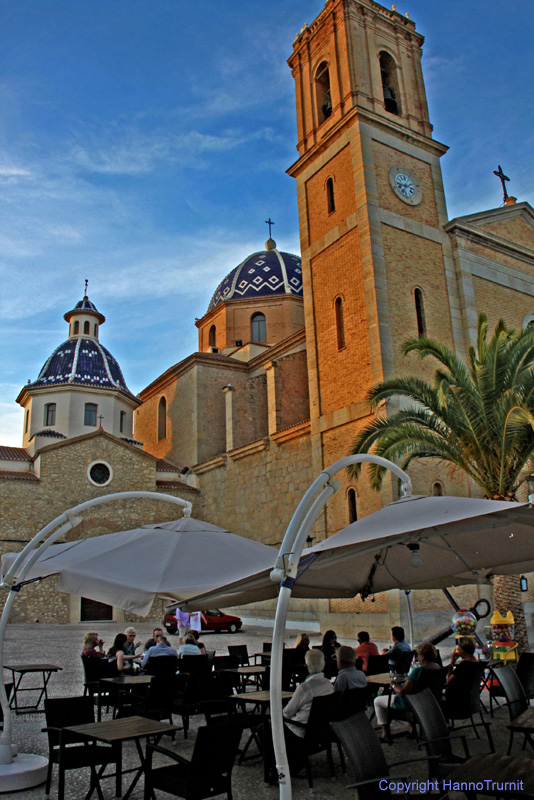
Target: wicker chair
(517, 703)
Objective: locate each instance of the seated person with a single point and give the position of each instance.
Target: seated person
(348, 677)
(153, 641)
(460, 675)
(115, 655)
(189, 647)
(131, 645)
(365, 649)
(302, 644)
(201, 646)
(329, 648)
(90, 643)
(426, 658)
(400, 645)
(161, 648)
(298, 710)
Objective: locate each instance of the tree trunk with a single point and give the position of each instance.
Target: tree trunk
(508, 597)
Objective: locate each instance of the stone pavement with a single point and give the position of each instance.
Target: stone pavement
(61, 644)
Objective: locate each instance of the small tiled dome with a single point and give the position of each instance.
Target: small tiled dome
(84, 362)
(85, 306)
(262, 274)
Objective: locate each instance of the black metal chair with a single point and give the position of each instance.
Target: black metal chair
(192, 689)
(353, 701)
(366, 757)
(525, 673)
(208, 773)
(463, 702)
(194, 664)
(517, 703)
(376, 665)
(225, 662)
(241, 653)
(318, 735)
(162, 665)
(156, 703)
(404, 662)
(71, 752)
(431, 679)
(436, 736)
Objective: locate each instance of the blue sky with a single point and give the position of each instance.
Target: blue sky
(143, 144)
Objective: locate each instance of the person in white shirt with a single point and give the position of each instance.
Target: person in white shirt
(298, 710)
(348, 677)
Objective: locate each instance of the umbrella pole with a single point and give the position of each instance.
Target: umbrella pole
(408, 593)
(285, 573)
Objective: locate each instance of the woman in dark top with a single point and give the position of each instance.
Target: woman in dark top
(461, 675)
(330, 646)
(302, 644)
(90, 644)
(115, 654)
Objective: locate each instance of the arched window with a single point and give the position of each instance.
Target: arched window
(437, 489)
(340, 325)
(162, 419)
(420, 312)
(528, 321)
(212, 336)
(122, 421)
(95, 329)
(353, 511)
(258, 331)
(86, 327)
(390, 84)
(50, 414)
(322, 92)
(330, 202)
(89, 417)
(76, 327)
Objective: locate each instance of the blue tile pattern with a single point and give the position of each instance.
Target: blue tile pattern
(86, 305)
(84, 362)
(260, 275)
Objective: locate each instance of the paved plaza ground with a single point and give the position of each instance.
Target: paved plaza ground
(61, 645)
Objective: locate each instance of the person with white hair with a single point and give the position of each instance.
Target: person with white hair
(297, 710)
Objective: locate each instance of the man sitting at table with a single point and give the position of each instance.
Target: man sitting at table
(161, 648)
(400, 646)
(348, 677)
(153, 641)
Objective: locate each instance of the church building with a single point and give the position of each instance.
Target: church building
(289, 346)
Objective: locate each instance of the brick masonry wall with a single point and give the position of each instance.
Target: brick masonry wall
(250, 410)
(344, 374)
(415, 262)
(256, 496)
(501, 302)
(339, 168)
(292, 384)
(516, 230)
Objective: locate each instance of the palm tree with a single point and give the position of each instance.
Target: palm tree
(477, 417)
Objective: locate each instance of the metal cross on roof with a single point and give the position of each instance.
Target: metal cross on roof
(100, 418)
(269, 222)
(500, 174)
(86, 285)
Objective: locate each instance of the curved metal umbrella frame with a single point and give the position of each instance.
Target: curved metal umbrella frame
(14, 581)
(286, 574)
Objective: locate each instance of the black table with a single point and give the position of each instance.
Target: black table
(117, 684)
(21, 670)
(117, 731)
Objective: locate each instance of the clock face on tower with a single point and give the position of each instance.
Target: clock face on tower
(405, 185)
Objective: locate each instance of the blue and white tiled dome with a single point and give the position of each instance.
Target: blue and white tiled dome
(262, 274)
(85, 306)
(84, 362)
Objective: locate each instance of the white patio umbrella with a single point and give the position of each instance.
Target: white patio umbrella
(129, 569)
(416, 542)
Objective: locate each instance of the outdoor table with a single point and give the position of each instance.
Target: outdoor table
(493, 768)
(117, 731)
(46, 671)
(126, 682)
(247, 672)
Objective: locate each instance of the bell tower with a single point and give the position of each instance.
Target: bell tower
(377, 265)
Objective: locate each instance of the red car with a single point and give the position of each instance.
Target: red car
(215, 621)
